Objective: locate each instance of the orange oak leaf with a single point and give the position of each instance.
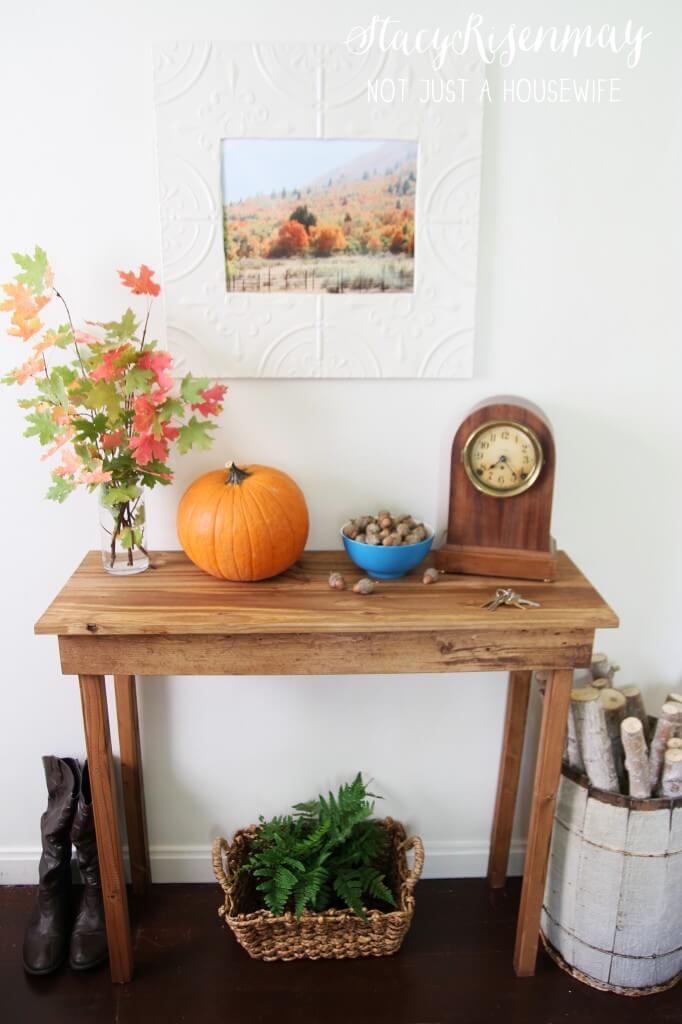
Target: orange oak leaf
(59, 441)
(70, 463)
(22, 301)
(97, 475)
(141, 283)
(28, 369)
(24, 328)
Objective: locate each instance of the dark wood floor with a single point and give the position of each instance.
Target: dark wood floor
(455, 965)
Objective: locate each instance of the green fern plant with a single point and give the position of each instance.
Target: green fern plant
(327, 852)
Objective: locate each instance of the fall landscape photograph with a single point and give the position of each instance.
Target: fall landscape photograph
(319, 215)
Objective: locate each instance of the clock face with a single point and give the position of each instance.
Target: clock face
(502, 458)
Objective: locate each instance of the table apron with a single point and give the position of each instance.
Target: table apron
(462, 650)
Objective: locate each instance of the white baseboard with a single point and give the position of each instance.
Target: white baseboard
(444, 859)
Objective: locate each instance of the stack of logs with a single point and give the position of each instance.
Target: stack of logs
(611, 739)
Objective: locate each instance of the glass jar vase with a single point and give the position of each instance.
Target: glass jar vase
(123, 532)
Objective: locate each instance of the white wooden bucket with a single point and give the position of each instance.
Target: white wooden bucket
(612, 913)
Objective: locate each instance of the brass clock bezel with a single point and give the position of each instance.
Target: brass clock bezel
(484, 487)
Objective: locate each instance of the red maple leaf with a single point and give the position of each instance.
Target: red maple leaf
(158, 363)
(140, 284)
(213, 398)
(109, 368)
(147, 447)
(112, 440)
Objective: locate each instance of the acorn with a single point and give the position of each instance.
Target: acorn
(336, 581)
(364, 586)
(431, 575)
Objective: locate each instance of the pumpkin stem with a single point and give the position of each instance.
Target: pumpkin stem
(235, 475)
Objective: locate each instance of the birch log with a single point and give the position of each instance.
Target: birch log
(601, 682)
(636, 760)
(674, 744)
(675, 697)
(671, 780)
(541, 682)
(572, 751)
(613, 704)
(602, 668)
(666, 727)
(593, 739)
(634, 707)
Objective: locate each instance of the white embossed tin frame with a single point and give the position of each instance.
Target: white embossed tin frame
(205, 92)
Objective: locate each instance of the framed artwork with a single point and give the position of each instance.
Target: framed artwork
(319, 210)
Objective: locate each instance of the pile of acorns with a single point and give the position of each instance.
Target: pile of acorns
(383, 528)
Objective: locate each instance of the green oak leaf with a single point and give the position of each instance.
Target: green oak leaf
(33, 268)
(60, 489)
(103, 395)
(138, 380)
(42, 426)
(195, 435)
(191, 386)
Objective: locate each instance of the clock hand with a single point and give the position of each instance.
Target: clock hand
(505, 462)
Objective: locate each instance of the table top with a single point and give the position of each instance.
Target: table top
(177, 598)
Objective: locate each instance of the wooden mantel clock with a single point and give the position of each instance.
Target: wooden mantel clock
(501, 483)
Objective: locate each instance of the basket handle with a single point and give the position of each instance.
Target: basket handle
(414, 873)
(220, 845)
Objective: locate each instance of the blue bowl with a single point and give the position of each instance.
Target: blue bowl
(388, 563)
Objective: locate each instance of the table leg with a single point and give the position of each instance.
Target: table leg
(518, 690)
(131, 776)
(547, 773)
(100, 761)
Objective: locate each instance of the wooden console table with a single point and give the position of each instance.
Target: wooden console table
(175, 620)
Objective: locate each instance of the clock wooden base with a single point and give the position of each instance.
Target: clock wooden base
(510, 563)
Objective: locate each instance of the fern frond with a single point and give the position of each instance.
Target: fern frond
(348, 887)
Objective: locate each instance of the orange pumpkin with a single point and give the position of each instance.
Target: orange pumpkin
(246, 523)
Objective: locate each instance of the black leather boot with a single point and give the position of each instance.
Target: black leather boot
(46, 941)
(89, 937)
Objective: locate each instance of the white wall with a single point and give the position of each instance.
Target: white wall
(578, 308)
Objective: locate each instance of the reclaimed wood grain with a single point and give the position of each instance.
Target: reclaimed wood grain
(132, 781)
(325, 653)
(103, 785)
(518, 692)
(547, 772)
(178, 598)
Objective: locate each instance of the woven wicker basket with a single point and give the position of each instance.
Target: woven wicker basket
(331, 935)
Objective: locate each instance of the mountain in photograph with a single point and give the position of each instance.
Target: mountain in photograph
(388, 157)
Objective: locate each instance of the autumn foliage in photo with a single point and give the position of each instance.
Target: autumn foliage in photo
(292, 224)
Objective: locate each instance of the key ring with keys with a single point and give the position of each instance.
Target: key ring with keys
(505, 595)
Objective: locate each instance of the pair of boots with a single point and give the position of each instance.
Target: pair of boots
(52, 931)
